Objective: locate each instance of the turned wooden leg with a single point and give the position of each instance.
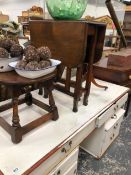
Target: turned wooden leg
(28, 98)
(15, 119)
(40, 91)
(98, 85)
(77, 92)
(91, 55)
(45, 92)
(15, 135)
(53, 107)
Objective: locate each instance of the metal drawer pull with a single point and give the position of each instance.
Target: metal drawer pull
(2, 67)
(115, 109)
(112, 136)
(59, 172)
(114, 116)
(65, 150)
(115, 127)
(75, 171)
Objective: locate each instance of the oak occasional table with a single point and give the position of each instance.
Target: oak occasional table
(114, 74)
(78, 49)
(18, 84)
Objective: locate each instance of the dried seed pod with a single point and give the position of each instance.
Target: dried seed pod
(16, 50)
(44, 53)
(33, 65)
(44, 63)
(28, 48)
(3, 53)
(32, 55)
(21, 64)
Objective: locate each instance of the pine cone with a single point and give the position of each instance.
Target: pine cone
(44, 53)
(16, 50)
(44, 63)
(33, 65)
(28, 48)
(32, 55)
(7, 43)
(3, 53)
(21, 64)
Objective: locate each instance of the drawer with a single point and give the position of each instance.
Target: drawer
(54, 160)
(72, 170)
(112, 128)
(66, 163)
(105, 116)
(48, 165)
(111, 111)
(121, 102)
(101, 138)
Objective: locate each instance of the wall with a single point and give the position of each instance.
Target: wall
(13, 8)
(94, 8)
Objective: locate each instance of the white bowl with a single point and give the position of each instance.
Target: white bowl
(35, 73)
(4, 63)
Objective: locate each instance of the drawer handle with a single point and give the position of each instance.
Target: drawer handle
(59, 172)
(114, 116)
(115, 109)
(115, 127)
(65, 150)
(75, 171)
(112, 136)
(2, 67)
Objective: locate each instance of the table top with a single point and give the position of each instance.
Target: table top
(103, 64)
(43, 140)
(12, 78)
(114, 74)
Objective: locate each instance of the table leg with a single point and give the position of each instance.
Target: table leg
(91, 55)
(45, 92)
(40, 91)
(15, 119)
(28, 98)
(51, 100)
(16, 134)
(77, 92)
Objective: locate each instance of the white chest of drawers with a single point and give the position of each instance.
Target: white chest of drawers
(101, 138)
(46, 149)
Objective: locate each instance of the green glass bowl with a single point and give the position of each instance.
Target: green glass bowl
(66, 9)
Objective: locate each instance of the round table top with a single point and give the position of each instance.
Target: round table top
(12, 78)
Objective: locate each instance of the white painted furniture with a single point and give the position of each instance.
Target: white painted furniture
(69, 164)
(48, 149)
(98, 141)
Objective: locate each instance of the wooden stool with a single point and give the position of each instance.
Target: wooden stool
(18, 84)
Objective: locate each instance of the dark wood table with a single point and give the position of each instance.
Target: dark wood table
(114, 74)
(78, 44)
(19, 85)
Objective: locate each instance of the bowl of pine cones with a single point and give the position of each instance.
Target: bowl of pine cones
(10, 51)
(36, 62)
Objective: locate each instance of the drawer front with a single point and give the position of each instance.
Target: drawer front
(72, 170)
(112, 128)
(98, 142)
(66, 163)
(58, 156)
(105, 116)
(53, 161)
(121, 102)
(111, 111)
